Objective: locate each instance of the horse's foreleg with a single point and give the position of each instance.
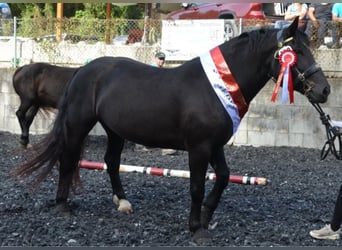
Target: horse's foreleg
(198, 163)
(219, 164)
(112, 160)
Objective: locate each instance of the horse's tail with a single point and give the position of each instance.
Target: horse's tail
(48, 151)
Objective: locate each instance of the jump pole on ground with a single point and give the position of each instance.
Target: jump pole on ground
(246, 180)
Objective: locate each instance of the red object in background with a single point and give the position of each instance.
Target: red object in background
(246, 180)
(219, 11)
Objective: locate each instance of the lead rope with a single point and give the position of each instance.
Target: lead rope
(332, 132)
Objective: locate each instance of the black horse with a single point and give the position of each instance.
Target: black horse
(39, 85)
(170, 108)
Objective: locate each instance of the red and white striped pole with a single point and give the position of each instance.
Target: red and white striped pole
(247, 180)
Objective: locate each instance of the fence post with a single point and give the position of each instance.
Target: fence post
(60, 10)
(15, 60)
(240, 26)
(108, 23)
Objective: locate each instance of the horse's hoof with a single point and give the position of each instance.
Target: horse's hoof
(28, 147)
(123, 205)
(202, 236)
(62, 209)
(24, 142)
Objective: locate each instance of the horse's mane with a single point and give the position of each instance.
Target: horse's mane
(258, 39)
(255, 38)
(249, 44)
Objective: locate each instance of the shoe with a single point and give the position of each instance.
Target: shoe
(325, 233)
(334, 46)
(323, 47)
(168, 151)
(140, 148)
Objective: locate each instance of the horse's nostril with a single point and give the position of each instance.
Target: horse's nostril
(326, 91)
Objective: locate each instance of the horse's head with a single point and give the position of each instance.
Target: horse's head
(308, 78)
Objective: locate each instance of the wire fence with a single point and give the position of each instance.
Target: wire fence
(77, 41)
(90, 30)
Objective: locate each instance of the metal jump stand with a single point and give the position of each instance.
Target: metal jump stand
(334, 131)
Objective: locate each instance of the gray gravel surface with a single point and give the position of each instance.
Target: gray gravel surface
(300, 197)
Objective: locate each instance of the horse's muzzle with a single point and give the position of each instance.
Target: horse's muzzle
(318, 95)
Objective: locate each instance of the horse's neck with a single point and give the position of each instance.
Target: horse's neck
(251, 86)
(250, 68)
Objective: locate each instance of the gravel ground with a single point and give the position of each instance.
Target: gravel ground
(300, 197)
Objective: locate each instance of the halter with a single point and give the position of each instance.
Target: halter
(301, 76)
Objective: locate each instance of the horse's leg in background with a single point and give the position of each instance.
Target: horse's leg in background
(198, 163)
(112, 159)
(219, 164)
(30, 115)
(25, 114)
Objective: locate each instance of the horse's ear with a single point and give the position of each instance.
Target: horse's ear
(291, 30)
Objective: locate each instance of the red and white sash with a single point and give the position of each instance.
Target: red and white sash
(224, 85)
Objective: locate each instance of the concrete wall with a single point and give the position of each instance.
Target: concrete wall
(275, 124)
(66, 53)
(265, 124)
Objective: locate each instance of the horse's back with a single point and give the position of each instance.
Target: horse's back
(42, 81)
(123, 80)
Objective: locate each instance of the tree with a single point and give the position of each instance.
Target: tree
(78, 10)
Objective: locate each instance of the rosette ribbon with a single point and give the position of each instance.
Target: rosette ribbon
(287, 59)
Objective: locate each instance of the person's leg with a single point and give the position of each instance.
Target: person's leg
(337, 216)
(334, 32)
(281, 24)
(338, 31)
(332, 231)
(308, 29)
(335, 35)
(312, 32)
(322, 31)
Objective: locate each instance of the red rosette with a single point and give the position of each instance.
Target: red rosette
(288, 57)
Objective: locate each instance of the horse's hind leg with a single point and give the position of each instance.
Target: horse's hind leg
(68, 164)
(30, 114)
(112, 159)
(67, 168)
(219, 164)
(25, 114)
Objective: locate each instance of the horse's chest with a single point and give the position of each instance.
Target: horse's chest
(224, 85)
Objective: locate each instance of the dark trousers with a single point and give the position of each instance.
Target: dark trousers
(336, 32)
(337, 216)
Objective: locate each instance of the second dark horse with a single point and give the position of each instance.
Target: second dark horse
(172, 108)
(39, 85)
